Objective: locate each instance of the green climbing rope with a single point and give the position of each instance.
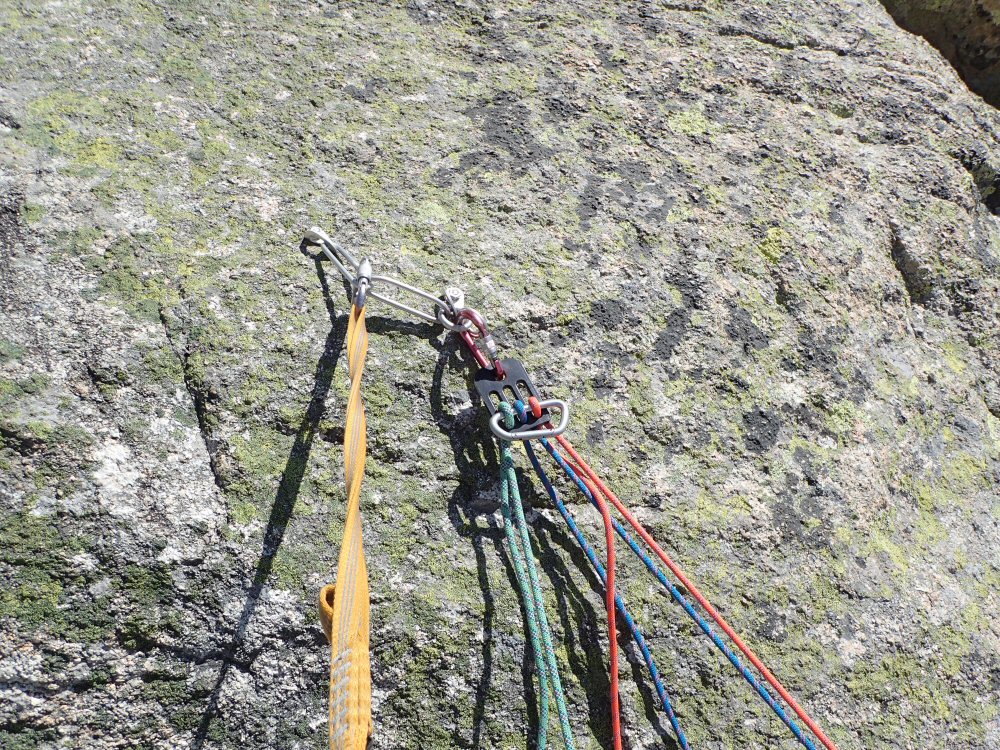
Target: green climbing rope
(526, 572)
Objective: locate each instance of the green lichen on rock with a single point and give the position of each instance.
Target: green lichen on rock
(755, 247)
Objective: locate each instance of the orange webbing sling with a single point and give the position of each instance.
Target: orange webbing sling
(344, 607)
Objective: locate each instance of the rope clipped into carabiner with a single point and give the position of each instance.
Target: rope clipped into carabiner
(526, 572)
(637, 636)
(344, 607)
(595, 490)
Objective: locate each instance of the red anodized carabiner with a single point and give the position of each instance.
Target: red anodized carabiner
(483, 333)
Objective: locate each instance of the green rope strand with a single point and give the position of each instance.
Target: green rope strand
(518, 560)
(510, 496)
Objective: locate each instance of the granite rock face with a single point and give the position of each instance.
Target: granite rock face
(756, 243)
(967, 32)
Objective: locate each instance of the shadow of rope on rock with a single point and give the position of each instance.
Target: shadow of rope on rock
(284, 500)
(592, 670)
(477, 462)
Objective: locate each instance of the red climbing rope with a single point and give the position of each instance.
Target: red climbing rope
(609, 600)
(591, 478)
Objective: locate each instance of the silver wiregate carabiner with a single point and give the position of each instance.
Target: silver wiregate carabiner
(354, 273)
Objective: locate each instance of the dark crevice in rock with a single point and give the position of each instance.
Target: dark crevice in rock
(758, 36)
(685, 7)
(985, 176)
(965, 32)
(200, 399)
(11, 235)
(7, 120)
(22, 442)
(916, 278)
(777, 42)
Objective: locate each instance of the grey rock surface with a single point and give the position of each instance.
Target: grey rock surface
(756, 243)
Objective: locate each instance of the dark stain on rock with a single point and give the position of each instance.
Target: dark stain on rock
(786, 299)
(692, 291)
(603, 384)
(817, 350)
(803, 414)
(636, 197)
(799, 513)
(772, 623)
(966, 430)
(369, 92)
(691, 287)
(506, 122)
(607, 313)
(609, 61)
(672, 334)
(574, 329)
(590, 200)
(646, 17)
(654, 206)
(612, 352)
(761, 429)
(741, 327)
(559, 108)
(634, 176)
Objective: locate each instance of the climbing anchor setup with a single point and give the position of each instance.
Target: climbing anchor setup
(517, 414)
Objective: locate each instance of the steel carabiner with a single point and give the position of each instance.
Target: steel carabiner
(358, 274)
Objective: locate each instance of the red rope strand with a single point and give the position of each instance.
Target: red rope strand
(609, 600)
(676, 570)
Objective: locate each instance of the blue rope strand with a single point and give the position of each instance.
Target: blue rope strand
(680, 599)
(619, 602)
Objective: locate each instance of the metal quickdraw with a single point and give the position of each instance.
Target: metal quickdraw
(517, 414)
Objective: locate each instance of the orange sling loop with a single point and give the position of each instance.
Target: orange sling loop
(344, 606)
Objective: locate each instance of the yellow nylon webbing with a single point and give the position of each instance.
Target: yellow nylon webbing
(344, 608)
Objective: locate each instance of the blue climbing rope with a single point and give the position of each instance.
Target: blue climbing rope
(602, 574)
(680, 599)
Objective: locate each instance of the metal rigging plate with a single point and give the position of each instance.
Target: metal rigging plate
(515, 386)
